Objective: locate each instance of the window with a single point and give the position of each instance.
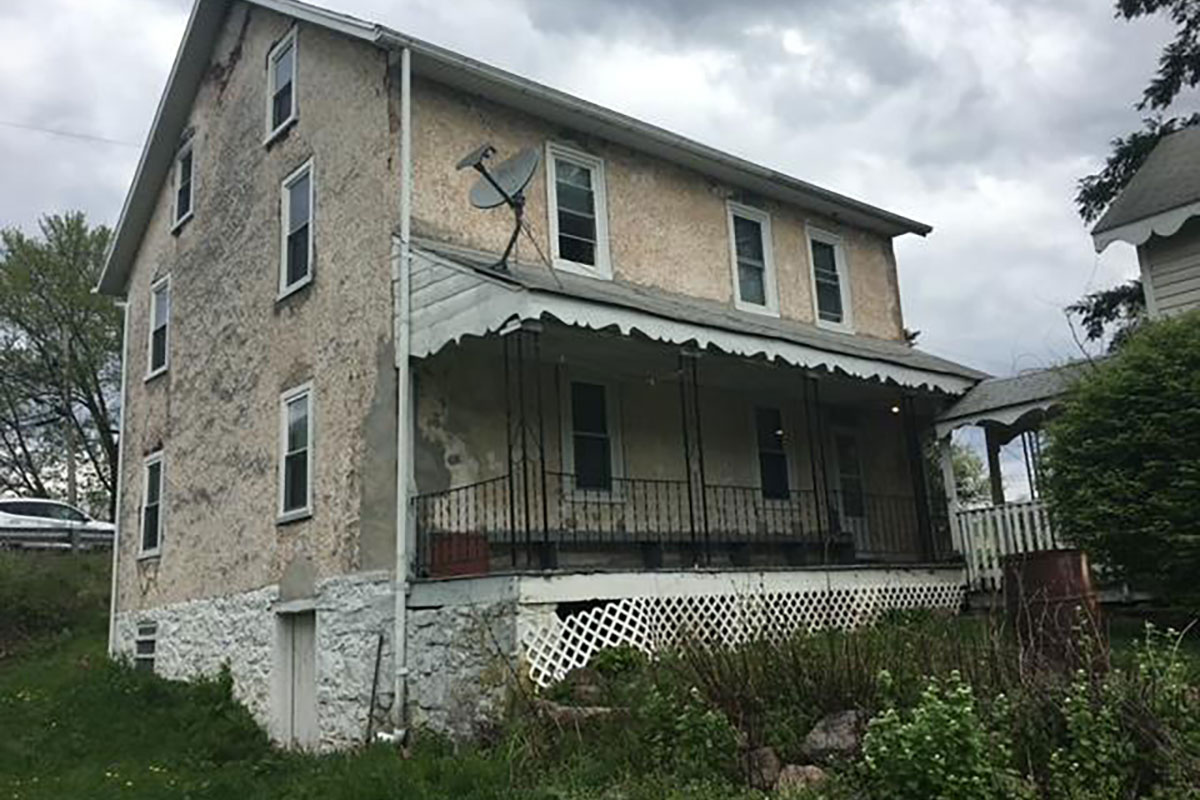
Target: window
(145, 645)
(160, 318)
(849, 475)
(772, 456)
(830, 283)
(152, 497)
(578, 215)
(753, 271)
(295, 461)
(183, 186)
(296, 226)
(281, 86)
(591, 443)
(63, 513)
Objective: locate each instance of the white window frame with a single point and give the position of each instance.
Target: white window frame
(154, 458)
(152, 371)
(770, 289)
(303, 390)
(187, 149)
(274, 132)
(815, 234)
(603, 266)
(612, 407)
(285, 202)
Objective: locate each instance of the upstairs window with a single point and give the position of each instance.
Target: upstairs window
(183, 186)
(578, 217)
(295, 457)
(830, 284)
(160, 319)
(753, 270)
(591, 441)
(152, 498)
(295, 269)
(281, 85)
(772, 455)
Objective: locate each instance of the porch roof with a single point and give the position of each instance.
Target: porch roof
(1005, 401)
(455, 293)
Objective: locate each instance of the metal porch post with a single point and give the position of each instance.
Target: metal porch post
(920, 484)
(689, 396)
(818, 463)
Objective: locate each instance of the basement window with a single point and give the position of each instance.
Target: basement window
(296, 454)
(152, 501)
(281, 86)
(160, 320)
(145, 645)
(753, 267)
(295, 222)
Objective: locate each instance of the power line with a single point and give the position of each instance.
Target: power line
(87, 137)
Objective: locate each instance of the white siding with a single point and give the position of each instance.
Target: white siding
(1171, 271)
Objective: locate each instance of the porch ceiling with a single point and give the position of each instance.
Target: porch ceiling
(455, 294)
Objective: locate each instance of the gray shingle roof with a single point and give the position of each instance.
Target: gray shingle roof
(1170, 178)
(1028, 387)
(704, 312)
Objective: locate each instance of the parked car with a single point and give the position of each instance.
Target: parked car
(21, 520)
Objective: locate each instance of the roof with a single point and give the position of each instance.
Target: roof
(1168, 181)
(461, 72)
(488, 299)
(1004, 400)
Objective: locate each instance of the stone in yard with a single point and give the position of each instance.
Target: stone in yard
(587, 687)
(837, 735)
(795, 777)
(762, 767)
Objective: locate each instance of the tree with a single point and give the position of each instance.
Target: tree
(59, 358)
(1122, 460)
(1120, 309)
(1178, 68)
(970, 477)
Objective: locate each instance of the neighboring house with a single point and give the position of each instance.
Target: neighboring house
(1158, 212)
(688, 405)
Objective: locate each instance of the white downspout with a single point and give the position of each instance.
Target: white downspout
(121, 442)
(401, 269)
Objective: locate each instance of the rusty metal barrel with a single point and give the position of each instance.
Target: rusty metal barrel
(1050, 600)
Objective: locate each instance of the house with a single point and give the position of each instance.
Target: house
(1158, 212)
(381, 478)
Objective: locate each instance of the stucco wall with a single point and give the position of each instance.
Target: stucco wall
(234, 348)
(667, 225)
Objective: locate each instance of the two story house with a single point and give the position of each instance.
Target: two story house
(381, 478)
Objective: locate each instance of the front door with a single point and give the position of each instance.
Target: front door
(850, 500)
(298, 684)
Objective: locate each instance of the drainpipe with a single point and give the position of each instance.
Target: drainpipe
(401, 292)
(116, 543)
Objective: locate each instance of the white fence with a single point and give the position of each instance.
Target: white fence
(987, 535)
(53, 539)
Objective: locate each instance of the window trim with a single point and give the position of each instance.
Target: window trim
(616, 453)
(814, 234)
(187, 148)
(770, 287)
(155, 457)
(285, 185)
(273, 133)
(286, 397)
(603, 266)
(151, 370)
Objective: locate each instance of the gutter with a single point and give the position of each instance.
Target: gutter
(119, 488)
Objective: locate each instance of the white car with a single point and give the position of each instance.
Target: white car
(21, 517)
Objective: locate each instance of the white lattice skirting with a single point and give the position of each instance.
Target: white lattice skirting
(648, 623)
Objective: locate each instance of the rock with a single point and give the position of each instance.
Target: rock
(762, 767)
(570, 716)
(795, 777)
(837, 735)
(587, 687)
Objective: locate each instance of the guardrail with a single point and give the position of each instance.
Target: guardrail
(991, 533)
(53, 539)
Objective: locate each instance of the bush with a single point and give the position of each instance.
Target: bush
(1123, 459)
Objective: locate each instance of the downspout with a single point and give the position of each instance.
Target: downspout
(116, 543)
(401, 293)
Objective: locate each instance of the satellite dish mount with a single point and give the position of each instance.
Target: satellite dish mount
(504, 185)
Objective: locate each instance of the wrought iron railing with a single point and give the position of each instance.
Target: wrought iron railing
(543, 521)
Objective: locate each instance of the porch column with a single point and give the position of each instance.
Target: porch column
(825, 522)
(693, 452)
(946, 461)
(528, 509)
(992, 439)
(916, 461)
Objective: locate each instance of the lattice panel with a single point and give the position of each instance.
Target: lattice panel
(650, 623)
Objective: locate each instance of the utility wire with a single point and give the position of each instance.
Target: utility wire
(87, 137)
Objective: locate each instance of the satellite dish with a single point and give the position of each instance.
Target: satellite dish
(504, 185)
(510, 177)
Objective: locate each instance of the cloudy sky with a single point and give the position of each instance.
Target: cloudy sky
(976, 116)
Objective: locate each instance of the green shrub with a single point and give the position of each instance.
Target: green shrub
(43, 594)
(940, 750)
(1123, 459)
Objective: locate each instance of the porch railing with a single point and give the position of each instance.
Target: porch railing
(989, 534)
(510, 523)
